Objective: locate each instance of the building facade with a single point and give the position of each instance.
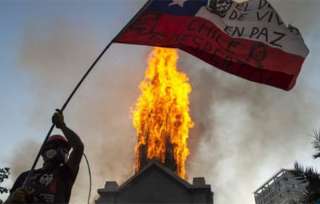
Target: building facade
(282, 188)
(156, 184)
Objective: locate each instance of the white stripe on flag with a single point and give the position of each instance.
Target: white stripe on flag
(257, 20)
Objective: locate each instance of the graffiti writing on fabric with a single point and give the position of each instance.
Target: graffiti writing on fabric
(258, 52)
(205, 38)
(262, 11)
(219, 7)
(272, 33)
(211, 40)
(207, 42)
(257, 33)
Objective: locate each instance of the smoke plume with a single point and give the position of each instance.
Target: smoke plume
(54, 57)
(244, 132)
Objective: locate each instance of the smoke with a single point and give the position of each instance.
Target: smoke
(243, 133)
(54, 57)
(22, 160)
(246, 132)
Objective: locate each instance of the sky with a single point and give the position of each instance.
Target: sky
(244, 132)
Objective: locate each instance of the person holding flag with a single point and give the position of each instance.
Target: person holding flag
(53, 182)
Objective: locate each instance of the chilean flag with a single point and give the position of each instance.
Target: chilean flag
(247, 39)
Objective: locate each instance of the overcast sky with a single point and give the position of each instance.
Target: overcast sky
(244, 132)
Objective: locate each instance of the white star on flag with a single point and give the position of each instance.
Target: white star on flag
(177, 2)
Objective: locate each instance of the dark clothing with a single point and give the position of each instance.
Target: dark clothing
(49, 186)
(53, 185)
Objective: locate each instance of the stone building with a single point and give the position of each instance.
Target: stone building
(282, 188)
(156, 183)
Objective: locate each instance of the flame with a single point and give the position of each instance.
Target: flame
(161, 114)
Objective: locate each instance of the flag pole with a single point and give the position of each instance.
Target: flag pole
(143, 8)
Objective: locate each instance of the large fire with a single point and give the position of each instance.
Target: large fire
(161, 114)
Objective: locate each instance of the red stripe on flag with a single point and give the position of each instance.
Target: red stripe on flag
(249, 59)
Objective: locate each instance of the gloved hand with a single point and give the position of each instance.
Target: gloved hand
(20, 196)
(58, 119)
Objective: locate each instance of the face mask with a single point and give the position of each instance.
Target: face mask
(50, 154)
(59, 155)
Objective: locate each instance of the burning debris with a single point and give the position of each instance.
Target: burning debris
(161, 115)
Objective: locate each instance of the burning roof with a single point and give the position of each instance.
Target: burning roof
(161, 115)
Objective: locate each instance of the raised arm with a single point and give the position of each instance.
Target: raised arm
(74, 141)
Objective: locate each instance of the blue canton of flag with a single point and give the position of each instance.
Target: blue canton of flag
(178, 7)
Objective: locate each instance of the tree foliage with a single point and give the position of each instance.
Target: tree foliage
(316, 144)
(312, 178)
(4, 174)
(310, 175)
